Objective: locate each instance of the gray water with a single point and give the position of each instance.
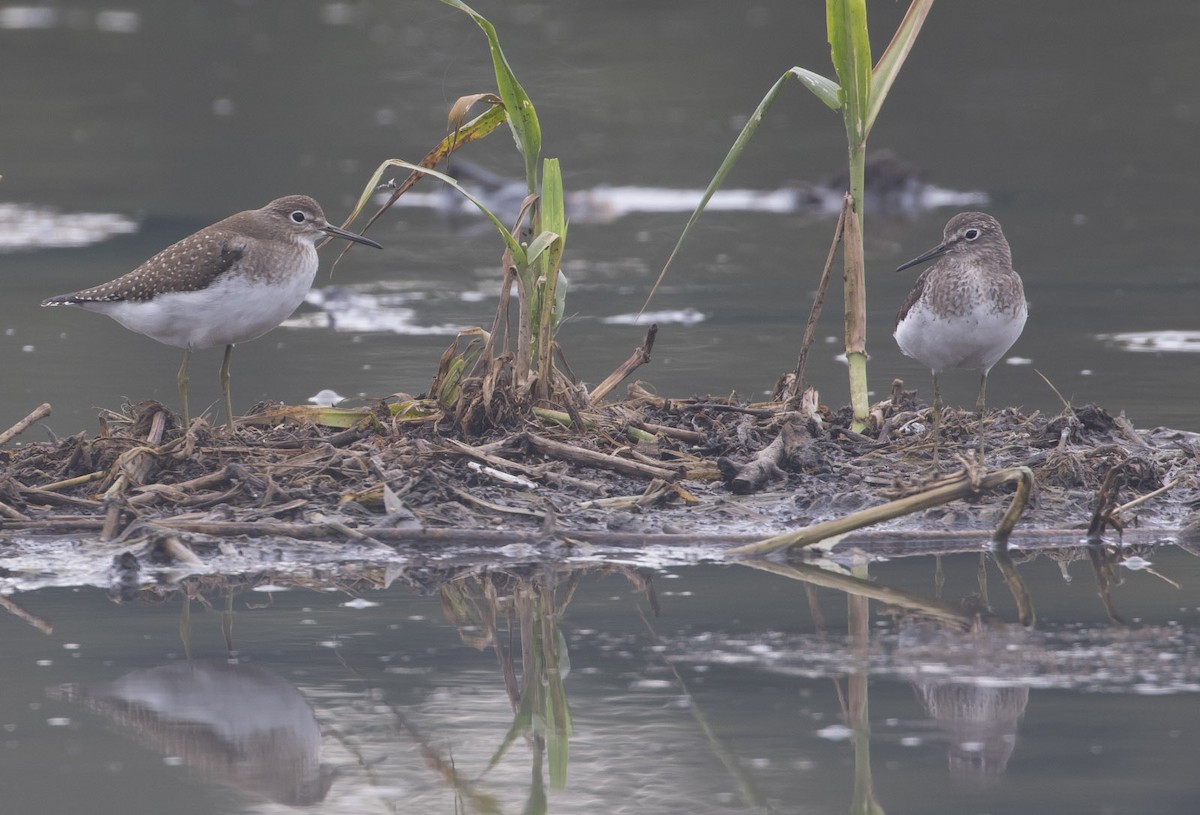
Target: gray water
(723, 693)
(1077, 118)
(179, 115)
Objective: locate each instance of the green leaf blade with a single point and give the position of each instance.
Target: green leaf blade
(822, 87)
(850, 49)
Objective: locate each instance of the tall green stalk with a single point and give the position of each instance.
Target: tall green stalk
(850, 50)
(861, 92)
(534, 265)
(858, 94)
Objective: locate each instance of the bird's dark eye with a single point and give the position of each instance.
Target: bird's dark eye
(972, 234)
(299, 217)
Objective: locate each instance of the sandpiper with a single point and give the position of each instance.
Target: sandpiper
(966, 310)
(228, 283)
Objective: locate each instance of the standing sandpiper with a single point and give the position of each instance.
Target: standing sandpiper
(228, 283)
(966, 310)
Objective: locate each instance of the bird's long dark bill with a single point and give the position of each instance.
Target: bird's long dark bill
(935, 252)
(338, 232)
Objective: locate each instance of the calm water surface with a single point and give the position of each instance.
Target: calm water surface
(735, 696)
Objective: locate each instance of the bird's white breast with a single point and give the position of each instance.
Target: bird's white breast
(234, 308)
(975, 340)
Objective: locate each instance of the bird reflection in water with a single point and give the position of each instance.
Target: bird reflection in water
(241, 726)
(978, 720)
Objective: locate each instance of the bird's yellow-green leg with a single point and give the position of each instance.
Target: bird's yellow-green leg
(225, 388)
(182, 381)
(937, 422)
(979, 410)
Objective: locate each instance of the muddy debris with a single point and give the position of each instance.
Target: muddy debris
(642, 469)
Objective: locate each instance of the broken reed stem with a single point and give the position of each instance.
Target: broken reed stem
(1143, 498)
(818, 302)
(637, 434)
(961, 487)
(150, 493)
(73, 482)
(559, 417)
(1024, 478)
(37, 414)
(133, 466)
(522, 370)
(640, 357)
(501, 321)
(113, 504)
(591, 458)
(683, 434)
(854, 292)
(533, 471)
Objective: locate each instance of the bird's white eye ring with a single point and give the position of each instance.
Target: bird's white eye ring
(972, 234)
(298, 216)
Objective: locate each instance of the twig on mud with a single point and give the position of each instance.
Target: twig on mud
(484, 454)
(38, 413)
(640, 357)
(41, 496)
(637, 455)
(150, 493)
(68, 483)
(56, 526)
(501, 476)
(683, 434)
(759, 413)
(355, 535)
(962, 487)
(494, 507)
(591, 458)
(133, 466)
(12, 514)
(1143, 498)
(857, 438)
(1128, 431)
(657, 491)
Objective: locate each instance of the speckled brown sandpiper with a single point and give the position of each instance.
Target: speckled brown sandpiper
(966, 310)
(228, 283)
